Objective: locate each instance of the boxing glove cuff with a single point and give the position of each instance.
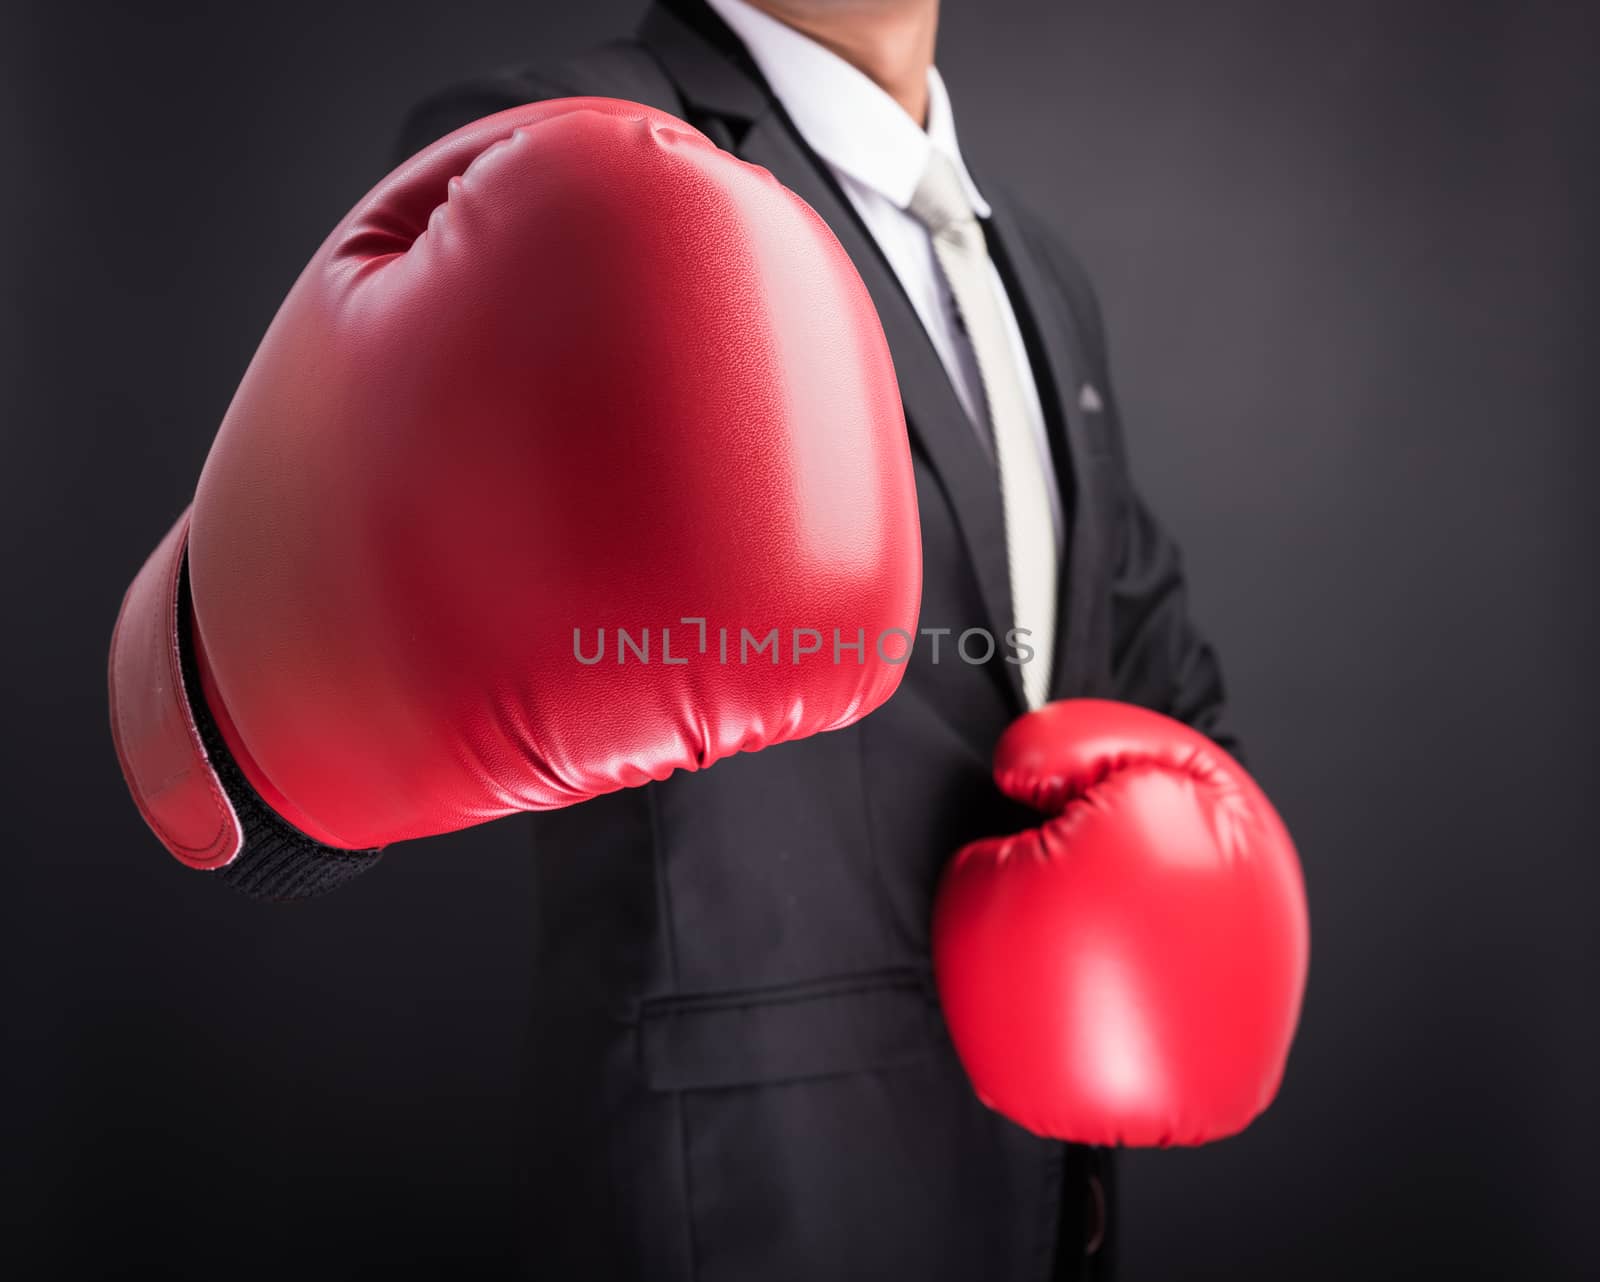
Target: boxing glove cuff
(186, 783)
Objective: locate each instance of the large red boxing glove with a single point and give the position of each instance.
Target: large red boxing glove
(571, 369)
(1130, 972)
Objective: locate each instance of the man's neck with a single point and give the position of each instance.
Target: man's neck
(889, 41)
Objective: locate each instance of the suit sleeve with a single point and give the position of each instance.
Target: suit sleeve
(460, 104)
(1159, 657)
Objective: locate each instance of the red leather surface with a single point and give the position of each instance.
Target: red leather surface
(572, 367)
(1131, 971)
(152, 725)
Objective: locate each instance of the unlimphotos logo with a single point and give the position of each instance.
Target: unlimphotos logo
(794, 646)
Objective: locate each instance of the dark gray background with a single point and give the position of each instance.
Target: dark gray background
(1347, 256)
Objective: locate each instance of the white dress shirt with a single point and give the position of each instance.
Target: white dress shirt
(878, 154)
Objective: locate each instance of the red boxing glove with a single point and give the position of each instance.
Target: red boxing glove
(573, 369)
(1131, 971)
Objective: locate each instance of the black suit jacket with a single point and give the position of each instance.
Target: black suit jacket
(738, 1068)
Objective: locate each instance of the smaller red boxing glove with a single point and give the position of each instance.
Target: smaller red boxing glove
(1131, 971)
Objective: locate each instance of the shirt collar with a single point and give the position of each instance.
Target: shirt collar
(849, 121)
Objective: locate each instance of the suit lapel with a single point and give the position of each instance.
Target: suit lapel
(938, 424)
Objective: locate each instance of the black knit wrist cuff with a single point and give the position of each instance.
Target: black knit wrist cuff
(277, 861)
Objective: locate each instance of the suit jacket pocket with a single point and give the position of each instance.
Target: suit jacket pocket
(852, 1024)
(827, 1131)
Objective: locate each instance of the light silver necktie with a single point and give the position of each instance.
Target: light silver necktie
(941, 205)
